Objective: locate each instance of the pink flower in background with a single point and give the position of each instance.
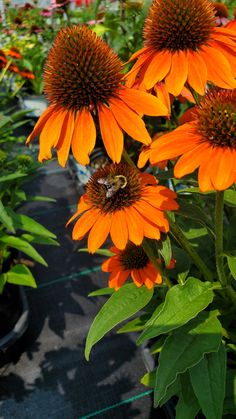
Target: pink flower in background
(85, 3)
(46, 13)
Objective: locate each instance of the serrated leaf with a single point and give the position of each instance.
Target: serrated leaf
(123, 304)
(21, 275)
(23, 222)
(182, 303)
(184, 348)
(5, 219)
(208, 381)
(24, 247)
(101, 291)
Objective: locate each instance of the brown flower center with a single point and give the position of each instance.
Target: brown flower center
(216, 120)
(133, 257)
(179, 24)
(81, 69)
(114, 187)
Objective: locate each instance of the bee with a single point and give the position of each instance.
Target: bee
(113, 184)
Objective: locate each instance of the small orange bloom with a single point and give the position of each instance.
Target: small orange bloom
(132, 261)
(124, 202)
(84, 84)
(14, 53)
(182, 44)
(26, 74)
(207, 142)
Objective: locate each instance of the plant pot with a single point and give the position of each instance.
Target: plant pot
(14, 312)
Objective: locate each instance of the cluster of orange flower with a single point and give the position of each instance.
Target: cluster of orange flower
(184, 52)
(6, 61)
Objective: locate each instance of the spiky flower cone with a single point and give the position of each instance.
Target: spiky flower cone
(182, 44)
(83, 79)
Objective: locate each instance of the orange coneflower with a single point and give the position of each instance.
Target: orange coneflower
(14, 53)
(124, 202)
(83, 80)
(208, 142)
(132, 261)
(182, 44)
(232, 23)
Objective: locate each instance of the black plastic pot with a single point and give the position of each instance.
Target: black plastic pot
(16, 320)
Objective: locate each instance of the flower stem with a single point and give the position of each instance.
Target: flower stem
(219, 213)
(181, 239)
(128, 159)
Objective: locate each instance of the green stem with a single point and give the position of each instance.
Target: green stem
(181, 239)
(128, 159)
(219, 213)
(195, 95)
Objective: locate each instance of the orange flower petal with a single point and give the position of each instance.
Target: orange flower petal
(143, 157)
(111, 132)
(84, 223)
(40, 123)
(134, 224)
(150, 230)
(144, 50)
(157, 69)
(111, 264)
(130, 77)
(64, 142)
(118, 279)
(119, 229)
(178, 73)
(161, 198)
(130, 121)
(191, 160)
(204, 178)
(223, 174)
(142, 102)
(84, 136)
(99, 232)
(218, 68)
(153, 214)
(137, 277)
(82, 206)
(197, 72)
(163, 94)
(172, 146)
(50, 134)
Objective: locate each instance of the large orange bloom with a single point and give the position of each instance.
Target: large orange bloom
(182, 44)
(132, 261)
(84, 84)
(124, 202)
(208, 142)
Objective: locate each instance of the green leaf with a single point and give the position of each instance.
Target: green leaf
(21, 275)
(40, 199)
(103, 252)
(182, 303)
(157, 346)
(187, 406)
(24, 247)
(123, 304)
(4, 120)
(149, 378)
(182, 266)
(232, 265)
(208, 381)
(194, 212)
(12, 176)
(184, 348)
(23, 222)
(164, 248)
(230, 397)
(102, 291)
(172, 390)
(230, 197)
(135, 325)
(40, 240)
(3, 280)
(5, 219)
